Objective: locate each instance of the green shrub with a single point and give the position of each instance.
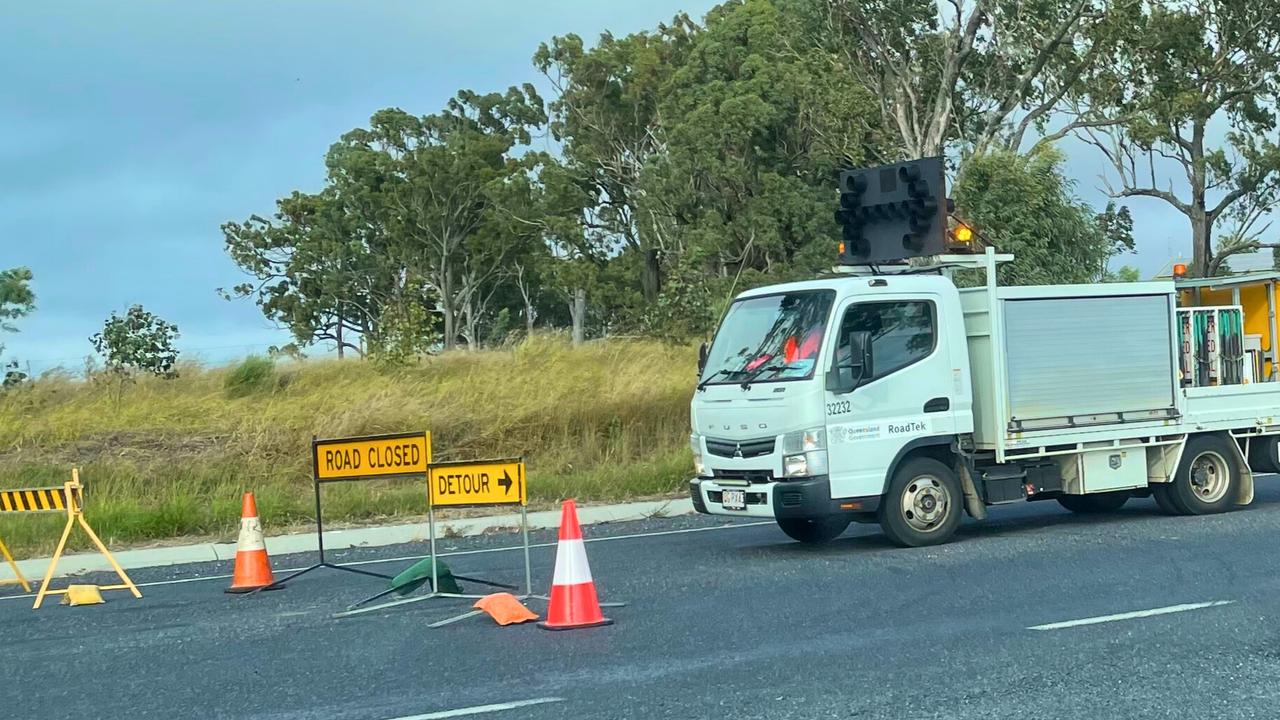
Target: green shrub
(254, 374)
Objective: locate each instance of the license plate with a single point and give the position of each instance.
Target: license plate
(734, 499)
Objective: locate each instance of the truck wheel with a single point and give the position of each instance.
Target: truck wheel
(923, 504)
(1207, 476)
(1166, 499)
(814, 531)
(1264, 454)
(1094, 503)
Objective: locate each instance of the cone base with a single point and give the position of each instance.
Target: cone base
(251, 588)
(548, 626)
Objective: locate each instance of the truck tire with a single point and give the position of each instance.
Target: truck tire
(814, 531)
(1264, 454)
(1166, 499)
(1207, 476)
(923, 504)
(1094, 503)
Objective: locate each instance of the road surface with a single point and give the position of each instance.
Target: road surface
(1035, 613)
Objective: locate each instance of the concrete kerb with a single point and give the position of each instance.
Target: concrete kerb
(354, 537)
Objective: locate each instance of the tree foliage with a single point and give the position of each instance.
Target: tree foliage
(17, 300)
(1185, 68)
(757, 131)
(1023, 204)
(672, 167)
(981, 74)
(16, 297)
(137, 342)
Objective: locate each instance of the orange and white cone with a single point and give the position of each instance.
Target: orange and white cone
(253, 568)
(573, 592)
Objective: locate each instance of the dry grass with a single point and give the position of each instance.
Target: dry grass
(607, 421)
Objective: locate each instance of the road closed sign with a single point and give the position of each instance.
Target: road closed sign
(373, 456)
(487, 482)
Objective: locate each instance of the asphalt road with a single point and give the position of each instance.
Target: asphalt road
(725, 620)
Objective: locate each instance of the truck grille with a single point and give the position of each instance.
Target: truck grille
(740, 448)
(751, 476)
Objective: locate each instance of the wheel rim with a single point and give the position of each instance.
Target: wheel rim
(925, 503)
(1210, 477)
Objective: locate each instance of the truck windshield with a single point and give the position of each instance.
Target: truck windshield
(768, 338)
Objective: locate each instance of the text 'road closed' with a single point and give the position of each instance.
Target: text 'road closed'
(499, 482)
(351, 458)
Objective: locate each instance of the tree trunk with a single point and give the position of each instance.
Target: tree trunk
(469, 325)
(650, 275)
(578, 312)
(339, 334)
(447, 312)
(1200, 223)
(1200, 255)
(528, 318)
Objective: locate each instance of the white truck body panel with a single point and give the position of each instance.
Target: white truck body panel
(1069, 360)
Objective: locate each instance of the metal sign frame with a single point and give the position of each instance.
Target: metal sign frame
(356, 608)
(316, 481)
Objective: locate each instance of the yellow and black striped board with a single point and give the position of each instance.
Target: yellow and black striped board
(50, 499)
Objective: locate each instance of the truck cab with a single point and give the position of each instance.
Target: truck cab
(812, 392)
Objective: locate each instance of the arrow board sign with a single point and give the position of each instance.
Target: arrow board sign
(490, 482)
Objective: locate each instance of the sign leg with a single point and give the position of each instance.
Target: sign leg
(528, 570)
(435, 562)
(319, 525)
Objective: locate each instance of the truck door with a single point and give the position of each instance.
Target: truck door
(907, 396)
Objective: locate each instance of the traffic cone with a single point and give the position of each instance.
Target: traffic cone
(573, 592)
(253, 568)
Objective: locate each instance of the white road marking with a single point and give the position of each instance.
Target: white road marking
(481, 709)
(1130, 615)
(482, 551)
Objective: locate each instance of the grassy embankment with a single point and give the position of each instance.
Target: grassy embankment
(607, 421)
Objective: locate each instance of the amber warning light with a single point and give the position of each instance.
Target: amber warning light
(1180, 270)
(960, 238)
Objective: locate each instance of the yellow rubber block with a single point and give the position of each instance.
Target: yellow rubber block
(82, 595)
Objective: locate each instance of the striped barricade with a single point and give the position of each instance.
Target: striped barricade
(49, 499)
(67, 499)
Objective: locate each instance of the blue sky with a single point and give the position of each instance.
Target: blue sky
(129, 131)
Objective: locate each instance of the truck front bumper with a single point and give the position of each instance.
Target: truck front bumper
(800, 498)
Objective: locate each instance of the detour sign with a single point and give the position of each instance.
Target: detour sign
(374, 456)
(489, 482)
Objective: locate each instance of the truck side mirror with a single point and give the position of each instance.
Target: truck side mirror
(846, 378)
(702, 358)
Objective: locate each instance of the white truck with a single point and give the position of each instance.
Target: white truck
(898, 398)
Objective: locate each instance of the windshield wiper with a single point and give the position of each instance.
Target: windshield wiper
(703, 385)
(746, 382)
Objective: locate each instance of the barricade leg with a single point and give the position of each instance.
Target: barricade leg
(53, 562)
(127, 583)
(4, 550)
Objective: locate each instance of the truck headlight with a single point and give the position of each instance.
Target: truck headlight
(695, 444)
(805, 464)
(804, 440)
(804, 452)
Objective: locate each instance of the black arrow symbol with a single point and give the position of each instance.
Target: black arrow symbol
(505, 482)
